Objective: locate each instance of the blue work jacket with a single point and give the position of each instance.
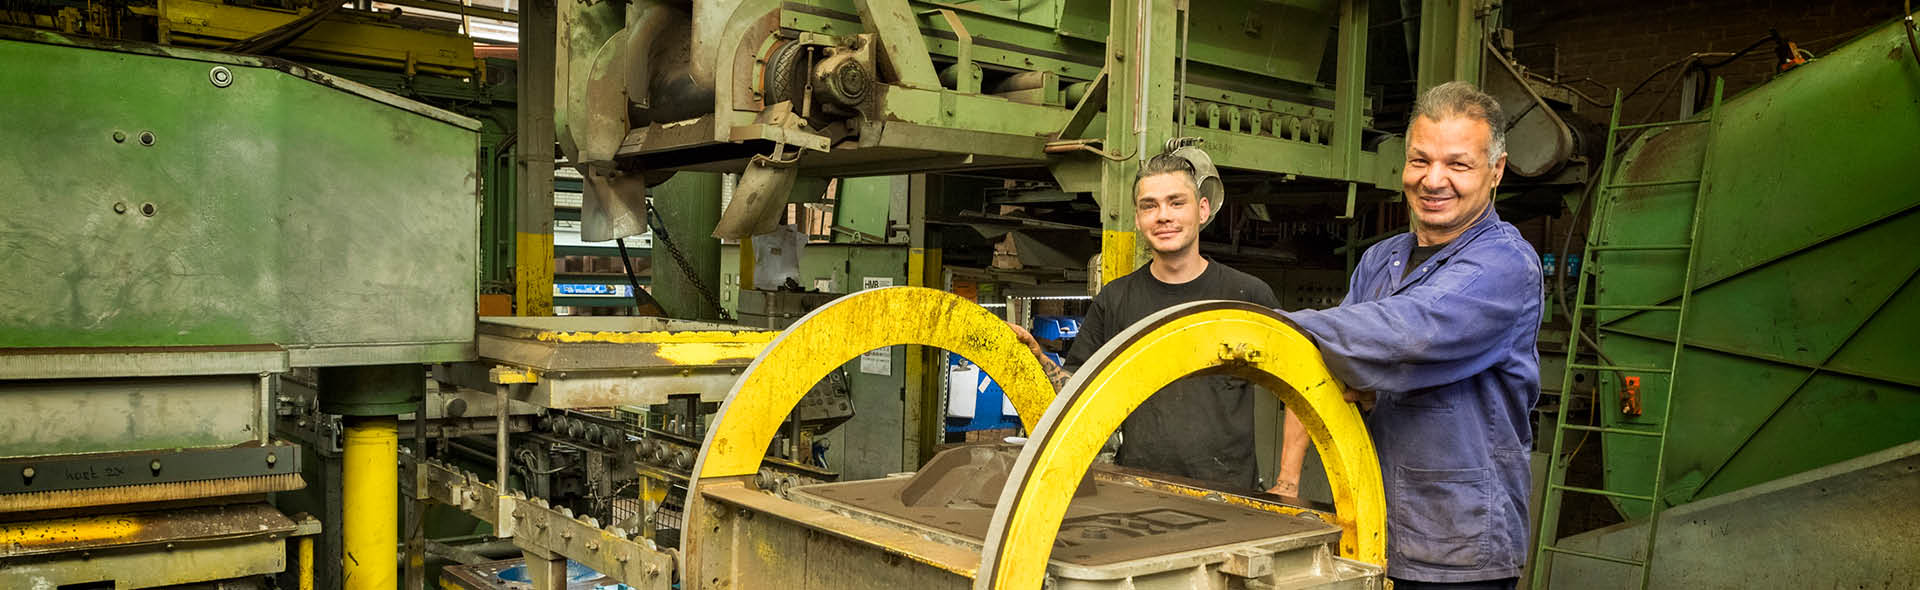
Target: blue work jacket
(1448, 350)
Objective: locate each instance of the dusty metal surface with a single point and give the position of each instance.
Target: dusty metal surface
(282, 207)
(584, 362)
(41, 474)
(531, 522)
(1846, 525)
(159, 492)
(1107, 523)
(42, 417)
(94, 533)
(140, 361)
(185, 563)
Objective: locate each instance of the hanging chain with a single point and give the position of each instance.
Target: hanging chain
(680, 259)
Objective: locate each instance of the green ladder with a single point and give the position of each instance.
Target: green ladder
(1597, 244)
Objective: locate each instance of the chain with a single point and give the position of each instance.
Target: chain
(686, 268)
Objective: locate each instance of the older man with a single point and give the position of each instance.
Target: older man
(1437, 332)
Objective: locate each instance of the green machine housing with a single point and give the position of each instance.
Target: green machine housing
(179, 227)
(1800, 339)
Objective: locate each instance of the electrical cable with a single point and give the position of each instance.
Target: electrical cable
(643, 301)
(1743, 52)
(271, 39)
(1913, 46)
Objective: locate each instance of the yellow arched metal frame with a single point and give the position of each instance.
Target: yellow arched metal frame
(841, 331)
(1208, 337)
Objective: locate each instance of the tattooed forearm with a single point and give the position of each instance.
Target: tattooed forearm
(1058, 376)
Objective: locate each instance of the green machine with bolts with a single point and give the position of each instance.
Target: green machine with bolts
(179, 228)
(788, 94)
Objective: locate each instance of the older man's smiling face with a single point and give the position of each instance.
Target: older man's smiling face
(1449, 178)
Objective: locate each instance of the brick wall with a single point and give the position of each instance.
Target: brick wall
(1619, 42)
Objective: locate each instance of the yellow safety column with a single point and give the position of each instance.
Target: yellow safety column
(368, 399)
(533, 206)
(371, 478)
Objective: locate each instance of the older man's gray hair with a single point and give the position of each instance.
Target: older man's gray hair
(1462, 99)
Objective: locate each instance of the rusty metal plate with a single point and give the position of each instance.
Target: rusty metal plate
(142, 528)
(1110, 523)
(548, 344)
(594, 362)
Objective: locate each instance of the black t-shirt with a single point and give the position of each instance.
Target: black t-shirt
(1419, 256)
(1199, 427)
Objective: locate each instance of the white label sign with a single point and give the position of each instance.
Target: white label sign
(877, 362)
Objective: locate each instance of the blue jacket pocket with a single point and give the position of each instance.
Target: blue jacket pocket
(1444, 515)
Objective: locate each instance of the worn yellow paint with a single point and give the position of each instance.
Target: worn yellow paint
(511, 375)
(370, 497)
(1117, 255)
(760, 337)
(306, 562)
(533, 274)
(1239, 339)
(67, 531)
(840, 332)
(344, 36)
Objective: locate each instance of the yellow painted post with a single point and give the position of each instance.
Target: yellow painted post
(1140, 111)
(371, 503)
(533, 207)
(306, 562)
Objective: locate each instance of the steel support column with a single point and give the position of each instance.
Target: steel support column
(1140, 61)
(533, 210)
(926, 415)
(688, 205)
(1450, 34)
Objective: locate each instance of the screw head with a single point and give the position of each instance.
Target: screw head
(272, 459)
(155, 465)
(220, 76)
(27, 472)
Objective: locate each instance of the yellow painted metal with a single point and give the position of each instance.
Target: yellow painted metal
(371, 503)
(504, 375)
(67, 531)
(306, 562)
(533, 274)
(1205, 337)
(841, 331)
(1117, 255)
(345, 36)
(924, 412)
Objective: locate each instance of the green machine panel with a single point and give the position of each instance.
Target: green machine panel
(1801, 328)
(160, 197)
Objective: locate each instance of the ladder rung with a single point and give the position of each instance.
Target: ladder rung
(1624, 307)
(1620, 368)
(1608, 493)
(1666, 124)
(1601, 557)
(1606, 430)
(1653, 183)
(1637, 247)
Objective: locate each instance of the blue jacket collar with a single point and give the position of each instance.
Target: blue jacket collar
(1400, 246)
